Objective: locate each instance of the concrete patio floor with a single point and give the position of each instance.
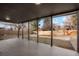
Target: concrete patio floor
(23, 47)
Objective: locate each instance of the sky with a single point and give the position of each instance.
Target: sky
(59, 20)
(41, 22)
(56, 20)
(2, 25)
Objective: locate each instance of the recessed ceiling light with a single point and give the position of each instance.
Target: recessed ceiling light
(37, 3)
(7, 18)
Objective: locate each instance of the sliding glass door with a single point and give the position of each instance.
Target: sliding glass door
(65, 31)
(44, 30)
(7, 30)
(60, 30)
(33, 30)
(25, 30)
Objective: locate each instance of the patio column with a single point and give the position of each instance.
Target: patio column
(18, 31)
(37, 33)
(77, 31)
(51, 32)
(28, 31)
(22, 31)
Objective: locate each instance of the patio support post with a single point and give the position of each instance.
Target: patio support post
(51, 32)
(28, 31)
(77, 31)
(22, 31)
(18, 31)
(37, 32)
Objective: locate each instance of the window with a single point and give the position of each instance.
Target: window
(8, 30)
(44, 30)
(25, 30)
(33, 30)
(65, 31)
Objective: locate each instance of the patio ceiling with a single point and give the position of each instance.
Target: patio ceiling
(21, 12)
